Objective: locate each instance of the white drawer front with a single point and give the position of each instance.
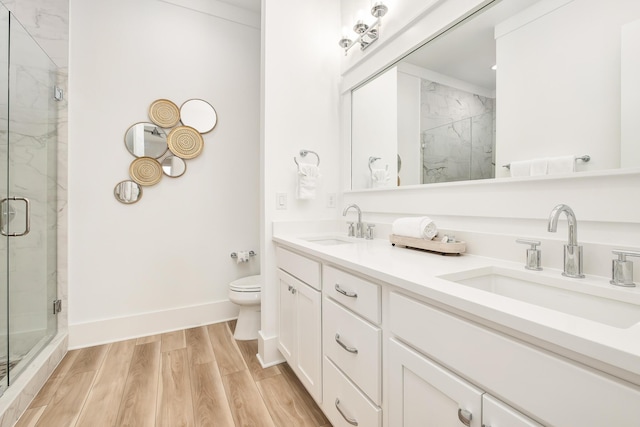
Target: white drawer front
(342, 400)
(299, 266)
(357, 294)
(354, 345)
(505, 366)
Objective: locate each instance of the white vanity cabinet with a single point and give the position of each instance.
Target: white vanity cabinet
(554, 390)
(352, 346)
(299, 337)
(423, 393)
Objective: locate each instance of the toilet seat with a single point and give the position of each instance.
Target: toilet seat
(246, 284)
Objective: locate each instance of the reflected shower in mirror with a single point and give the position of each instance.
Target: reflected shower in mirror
(127, 192)
(146, 140)
(198, 114)
(174, 166)
(518, 80)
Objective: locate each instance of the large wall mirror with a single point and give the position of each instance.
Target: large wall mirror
(518, 80)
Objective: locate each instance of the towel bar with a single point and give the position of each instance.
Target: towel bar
(584, 158)
(304, 153)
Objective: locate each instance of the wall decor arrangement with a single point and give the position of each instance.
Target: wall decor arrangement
(162, 146)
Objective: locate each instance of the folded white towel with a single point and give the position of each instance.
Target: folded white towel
(420, 227)
(561, 164)
(539, 166)
(380, 177)
(520, 168)
(308, 176)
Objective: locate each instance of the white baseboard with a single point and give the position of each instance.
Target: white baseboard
(122, 328)
(268, 353)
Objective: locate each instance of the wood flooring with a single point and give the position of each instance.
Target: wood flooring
(196, 377)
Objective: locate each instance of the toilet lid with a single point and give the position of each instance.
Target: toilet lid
(246, 284)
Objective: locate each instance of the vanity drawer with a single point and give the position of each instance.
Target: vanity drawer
(357, 294)
(359, 355)
(342, 401)
(299, 266)
(504, 366)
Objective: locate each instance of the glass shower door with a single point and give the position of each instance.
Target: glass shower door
(4, 167)
(31, 199)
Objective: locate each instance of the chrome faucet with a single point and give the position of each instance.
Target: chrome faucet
(359, 228)
(572, 251)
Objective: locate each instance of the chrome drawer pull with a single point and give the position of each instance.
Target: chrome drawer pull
(345, 293)
(465, 417)
(346, 347)
(349, 420)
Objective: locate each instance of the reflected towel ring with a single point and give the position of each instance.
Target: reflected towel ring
(304, 153)
(371, 161)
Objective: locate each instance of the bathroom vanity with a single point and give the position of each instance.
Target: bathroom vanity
(389, 336)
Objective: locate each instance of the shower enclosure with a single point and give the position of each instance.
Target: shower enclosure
(28, 214)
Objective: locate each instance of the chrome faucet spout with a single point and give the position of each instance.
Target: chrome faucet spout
(571, 219)
(572, 251)
(359, 227)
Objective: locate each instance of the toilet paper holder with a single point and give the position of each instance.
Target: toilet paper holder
(235, 254)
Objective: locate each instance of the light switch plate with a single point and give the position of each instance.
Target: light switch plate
(281, 201)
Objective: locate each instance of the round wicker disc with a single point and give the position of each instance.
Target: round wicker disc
(185, 142)
(164, 113)
(145, 171)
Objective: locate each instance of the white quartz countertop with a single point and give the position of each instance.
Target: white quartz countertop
(608, 348)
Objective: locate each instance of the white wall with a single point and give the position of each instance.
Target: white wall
(581, 110)
(630, 93)
(300, 109)
(164, 262)
(374, 129)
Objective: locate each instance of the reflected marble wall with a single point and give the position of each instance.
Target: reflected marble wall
(457, 131)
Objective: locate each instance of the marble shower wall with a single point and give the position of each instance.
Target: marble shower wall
(457, 134)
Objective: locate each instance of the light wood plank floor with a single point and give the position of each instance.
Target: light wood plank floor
(192, 378)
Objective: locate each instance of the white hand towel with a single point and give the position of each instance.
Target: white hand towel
(380, 177)
(308, 176)
(539, 166)
(420, 227)
(520, 168)
(561, 164)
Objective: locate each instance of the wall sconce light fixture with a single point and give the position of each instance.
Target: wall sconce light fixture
(366, 34)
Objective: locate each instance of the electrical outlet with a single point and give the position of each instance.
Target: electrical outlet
(281, 201)
(331, 200)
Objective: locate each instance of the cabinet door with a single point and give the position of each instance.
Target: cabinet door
(286, 315)
(498, 414)
(308, 338)
(424, 394)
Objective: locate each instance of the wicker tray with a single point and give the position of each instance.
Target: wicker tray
(428, 245)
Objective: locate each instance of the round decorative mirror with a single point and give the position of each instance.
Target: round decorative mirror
(199, 115)
(127, 192)
(174, 166)
(146, 140)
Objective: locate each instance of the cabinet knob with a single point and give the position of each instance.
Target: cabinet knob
(465, 417)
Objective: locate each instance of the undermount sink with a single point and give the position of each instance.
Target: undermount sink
(576, 297)
(328, 240)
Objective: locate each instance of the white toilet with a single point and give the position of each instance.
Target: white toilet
(246, 293)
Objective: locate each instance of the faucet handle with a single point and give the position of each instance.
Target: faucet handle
(621, 269)
(352, 229)
(534, 255)
(369, 234)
